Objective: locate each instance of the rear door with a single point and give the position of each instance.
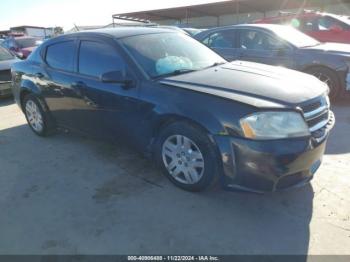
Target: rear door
(262, 47)
(55, 77)
(224, 43)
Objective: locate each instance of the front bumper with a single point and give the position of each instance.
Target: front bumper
(274, 165)
(5, 88)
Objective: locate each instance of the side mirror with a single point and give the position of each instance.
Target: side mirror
(336, 28)
(117, 77)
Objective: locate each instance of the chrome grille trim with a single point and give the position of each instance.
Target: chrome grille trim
(315, 113)
(322, 110)
(318, 126)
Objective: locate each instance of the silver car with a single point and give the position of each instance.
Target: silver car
(6, 60)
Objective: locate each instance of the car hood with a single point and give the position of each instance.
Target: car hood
(251, 83)
(334, 48)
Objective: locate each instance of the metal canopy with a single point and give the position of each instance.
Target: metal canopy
(227, 7)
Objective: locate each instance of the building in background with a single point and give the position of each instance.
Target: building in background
(4, 33)
(34, 31)
(234, 11)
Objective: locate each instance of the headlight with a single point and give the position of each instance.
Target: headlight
(274, 125)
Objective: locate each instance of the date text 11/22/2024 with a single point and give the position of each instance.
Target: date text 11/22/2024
(173, 258)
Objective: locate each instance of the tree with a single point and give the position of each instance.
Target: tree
(58, 30)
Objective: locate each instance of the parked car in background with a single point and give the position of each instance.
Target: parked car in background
(283, 46)
(6, 60)
(20, 46)
(324, 27)
(252, 126)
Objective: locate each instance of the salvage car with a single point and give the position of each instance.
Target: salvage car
(201, 119)
(283, 46)
(6, 60)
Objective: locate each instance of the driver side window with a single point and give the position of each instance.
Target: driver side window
(257, 40)
(223, 39)
(96, 58)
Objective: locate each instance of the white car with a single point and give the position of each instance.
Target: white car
(6, 60)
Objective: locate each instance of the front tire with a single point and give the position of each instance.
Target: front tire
(330, 78)
(187, 156)
(38, 119)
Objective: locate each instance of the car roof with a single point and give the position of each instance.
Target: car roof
(127, 31)
(262, 26)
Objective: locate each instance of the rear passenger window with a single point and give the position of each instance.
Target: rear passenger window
(96, 58)
(223, 39)
(61, 55)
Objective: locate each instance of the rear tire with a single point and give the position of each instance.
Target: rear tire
(38, 119)
(187, 156)
(330, 78)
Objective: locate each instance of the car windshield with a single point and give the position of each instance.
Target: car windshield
(170, 53)
(5, 55)
(26, 42)
(295, 37)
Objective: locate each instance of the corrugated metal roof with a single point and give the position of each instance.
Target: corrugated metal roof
(226, 7)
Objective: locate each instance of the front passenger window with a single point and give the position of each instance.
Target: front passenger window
(256, 40)
(97, 58)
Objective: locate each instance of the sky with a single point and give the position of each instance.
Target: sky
(66, 13)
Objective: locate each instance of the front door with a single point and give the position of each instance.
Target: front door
(260, 47)
(103, 109)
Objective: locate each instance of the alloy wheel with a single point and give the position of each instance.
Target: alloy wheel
(183, 159)
(34, 116)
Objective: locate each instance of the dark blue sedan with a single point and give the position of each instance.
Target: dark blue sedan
(200, 118)
(283, 46)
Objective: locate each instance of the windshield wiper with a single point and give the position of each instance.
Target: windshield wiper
(215, 64)
(311, 45)
(175, 72)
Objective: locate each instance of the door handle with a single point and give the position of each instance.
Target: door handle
(78, 84)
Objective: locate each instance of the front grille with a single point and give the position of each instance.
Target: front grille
(5, 75)
(311, 107)
(317, 114)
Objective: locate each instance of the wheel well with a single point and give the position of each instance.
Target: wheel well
(170, 119)
(308, 68)
(21, 97)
